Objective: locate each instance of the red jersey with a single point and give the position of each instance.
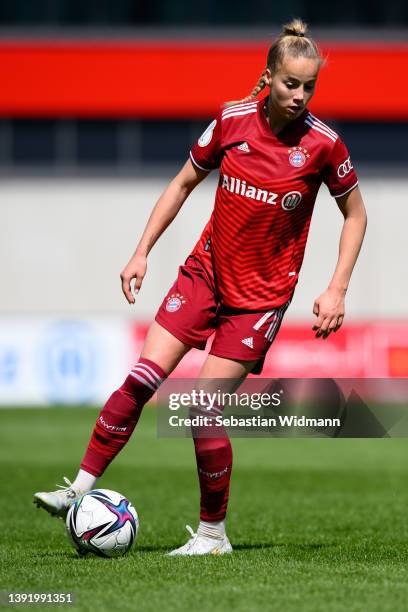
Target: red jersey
(254, 242)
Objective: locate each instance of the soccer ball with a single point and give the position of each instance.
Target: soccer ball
(102, 522)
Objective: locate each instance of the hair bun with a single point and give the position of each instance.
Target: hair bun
(297, 27)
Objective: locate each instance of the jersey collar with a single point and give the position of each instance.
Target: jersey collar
(264, 125)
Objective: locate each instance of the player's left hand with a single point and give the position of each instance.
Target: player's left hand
(329, 310)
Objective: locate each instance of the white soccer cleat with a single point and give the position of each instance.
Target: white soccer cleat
(202, 545)
(57, 503)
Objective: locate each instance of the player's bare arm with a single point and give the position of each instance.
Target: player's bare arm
(165, 210)
(329, 306)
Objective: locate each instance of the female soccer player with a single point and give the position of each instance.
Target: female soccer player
(273, 155)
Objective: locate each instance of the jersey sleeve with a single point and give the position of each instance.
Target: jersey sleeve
(339, 174)
(206, 153)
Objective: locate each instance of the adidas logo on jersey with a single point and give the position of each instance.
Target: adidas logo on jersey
(235, 185)
(249, 342)
(244, 147)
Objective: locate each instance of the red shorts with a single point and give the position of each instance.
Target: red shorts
(192, 312)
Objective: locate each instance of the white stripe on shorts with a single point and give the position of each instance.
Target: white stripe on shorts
(274, 326)
(262, 320)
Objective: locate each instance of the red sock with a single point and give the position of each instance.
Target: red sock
(120, 415)
(214, 465)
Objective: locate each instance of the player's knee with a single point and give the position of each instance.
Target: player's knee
(143, 380)
(133, 387)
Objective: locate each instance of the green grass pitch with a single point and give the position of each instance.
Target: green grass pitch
(315, 524)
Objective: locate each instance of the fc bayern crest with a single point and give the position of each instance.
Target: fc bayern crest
(174, 302)
(298, 156)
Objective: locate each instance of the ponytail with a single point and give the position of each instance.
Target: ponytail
(291, 41)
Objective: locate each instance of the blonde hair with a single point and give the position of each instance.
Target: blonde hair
(292, 41)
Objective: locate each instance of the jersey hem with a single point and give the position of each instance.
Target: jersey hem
(262, 308)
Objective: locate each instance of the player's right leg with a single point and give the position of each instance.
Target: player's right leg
(115, 424)
(185, 319)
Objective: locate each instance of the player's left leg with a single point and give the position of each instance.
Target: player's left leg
(214, 460)
(241, 342)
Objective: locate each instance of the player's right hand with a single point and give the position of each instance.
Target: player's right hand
(134, 270)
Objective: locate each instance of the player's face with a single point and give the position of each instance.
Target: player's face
(292, 86)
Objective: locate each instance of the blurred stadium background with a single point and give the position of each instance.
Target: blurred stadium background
(99, 105)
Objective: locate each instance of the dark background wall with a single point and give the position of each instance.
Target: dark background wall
(91, 13)
(119, 145)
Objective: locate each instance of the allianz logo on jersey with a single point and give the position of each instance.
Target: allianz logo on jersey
(289, 201)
